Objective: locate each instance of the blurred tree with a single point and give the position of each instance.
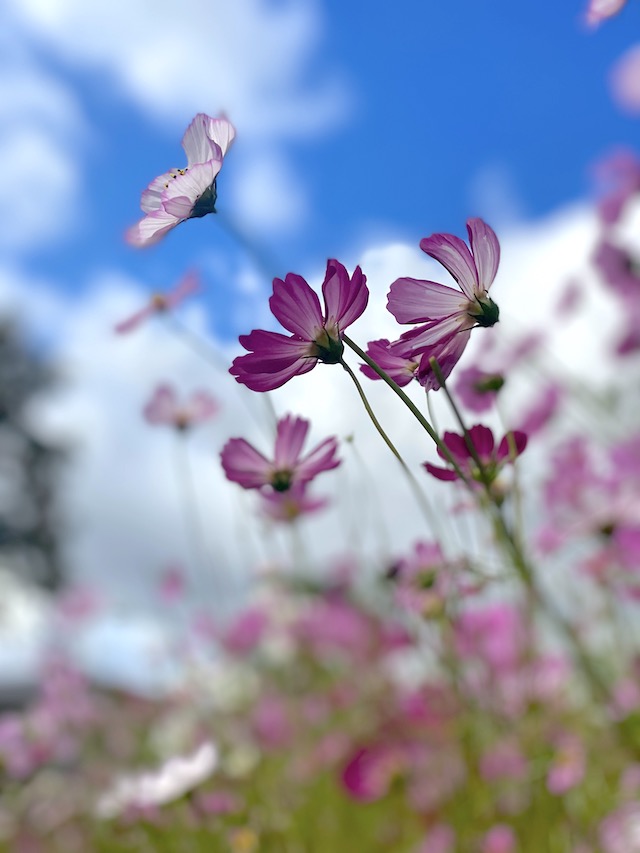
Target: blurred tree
(29, 466)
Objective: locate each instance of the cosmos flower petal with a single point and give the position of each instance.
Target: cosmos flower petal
(412, 300)
(518, 442)
(485, 249)
(244, 465)
(160, 409)
(151, 229)
(345, 298)
(322, 458)
(193, 182)
(197, 143)
(454, 255)
(189, 284)
(290, 437)
(222, 133)
(296, 306)
(482, 439)
(440, 473)
(152, 197)
(134, 320)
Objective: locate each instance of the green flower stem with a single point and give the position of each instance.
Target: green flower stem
(415, 486)
(415, 411)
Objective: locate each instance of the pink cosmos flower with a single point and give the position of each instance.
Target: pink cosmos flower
(164, 408)
(401, 369)
(187, 193)
(447, 314)
(159, 303)
(619, 270)
(289, 506)
(273, 358)
(478, 389)
(492, 459)
(245, 465)
(600, 10)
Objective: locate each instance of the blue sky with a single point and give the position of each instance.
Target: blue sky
(399, 119)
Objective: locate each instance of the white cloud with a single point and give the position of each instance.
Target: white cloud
(248, 57)
(269, 195)
(42, 131)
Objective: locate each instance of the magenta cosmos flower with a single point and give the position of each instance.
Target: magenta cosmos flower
(187, 193)
(245, 465)
(492, 458)
(316, 335)
(164, 408)
(160, 303)
(447, 315)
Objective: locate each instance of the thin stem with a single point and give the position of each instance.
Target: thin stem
(415, 486)
(193, 524)
(415, 411)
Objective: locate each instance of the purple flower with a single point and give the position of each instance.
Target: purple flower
(188, 193)
(273, 358)
(492, 459)
(245, 465)
(401, 369)
(619, 270)
(447, 314)
(478, 389)
(159, 303)
(165, 409)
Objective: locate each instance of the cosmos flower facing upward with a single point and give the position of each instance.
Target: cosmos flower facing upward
(447, 315)
(187, 193)
(245, 465)
(316, 335)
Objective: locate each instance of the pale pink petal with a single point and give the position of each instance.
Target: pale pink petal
(412, 300)
(486, 251)
(244, 465)
(181, 207)
(296, 306)
(454, 255)
(151, 228)
(197, 143)
(290, 437)
(185, 287)
(202, 407)
(152, 197)
(222, 133)
(134, 321)
(193, 182)
(162, 407)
